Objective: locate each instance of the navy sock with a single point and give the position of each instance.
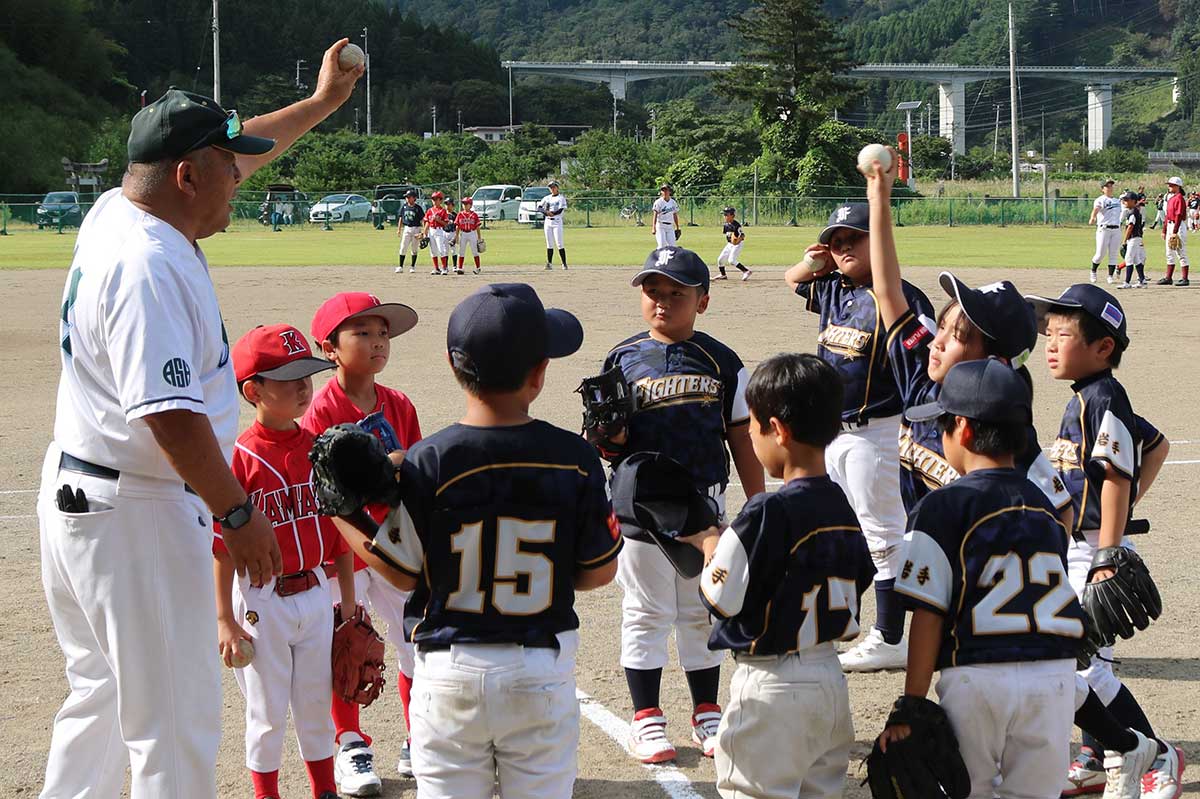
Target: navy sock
(889, 611)
(1127, 711)
(549, 254)
(643, 687)
(1112, 268)
(562, 256)
(1095, 267)
(1141, 271)
(739, 266)
(721, 268)
(1101, 730)
(703, 685)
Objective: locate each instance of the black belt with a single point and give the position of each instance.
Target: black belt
(72, 464)
(1112, 227)
(541, 642)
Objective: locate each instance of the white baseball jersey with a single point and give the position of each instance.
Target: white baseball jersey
(665, 210)
(552, 203)
(141, 334)
(1108, 210)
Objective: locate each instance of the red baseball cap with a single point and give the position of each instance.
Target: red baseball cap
(276, 352)
(467, 201)
(350, 304)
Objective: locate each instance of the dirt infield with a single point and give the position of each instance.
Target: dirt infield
(758, 319)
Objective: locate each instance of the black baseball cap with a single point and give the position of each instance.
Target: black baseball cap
(1092, 300)
(410, 193)
(1000, 313)
(1130, 194)
(505, 331)
(986, 391)
(682, 266)
(856, 216)
(180, 122)
(729, 209)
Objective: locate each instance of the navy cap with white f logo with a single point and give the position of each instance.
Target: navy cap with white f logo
(855, 216)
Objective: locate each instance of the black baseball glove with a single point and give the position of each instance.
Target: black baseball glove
(351, 469)
(678, 233)
(925, 765)
(608, 403)
(1128, 599)
(424, 242)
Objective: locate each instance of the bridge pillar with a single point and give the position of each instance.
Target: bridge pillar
(616, 85)
(952, 114)
(1099, 115)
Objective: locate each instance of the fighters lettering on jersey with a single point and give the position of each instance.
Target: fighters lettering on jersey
(677, 388)
(848, 342)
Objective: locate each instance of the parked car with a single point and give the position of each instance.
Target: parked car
(528, 214)
(284, 193)
(501, 201)
(59, 208)
(340, 208)
(388, 199)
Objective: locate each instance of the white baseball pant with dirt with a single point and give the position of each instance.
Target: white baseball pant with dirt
(730, 255)
(664, 236)
(1180, 254)
(410, 240)
(787, 729)
(468, 241)
(553, 227)
(437, 243)
(1108, 240)
(495, 713)
(130, 590)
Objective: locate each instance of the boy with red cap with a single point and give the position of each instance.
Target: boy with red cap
(287, 618)
(433, 227)
(354, 331)
(466, 234)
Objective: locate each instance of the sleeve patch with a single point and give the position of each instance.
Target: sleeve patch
(727, 576)
(926, 574)
(917, 336)
(1114, 444)
(398, 539)
(740, 409)
(1047, 479)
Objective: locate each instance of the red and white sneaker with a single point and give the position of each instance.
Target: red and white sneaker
(1163, 780)
(1085, 774)
(648, 737)
(705, 721)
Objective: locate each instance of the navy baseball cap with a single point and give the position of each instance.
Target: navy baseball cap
(505, 331)
(986, 391)
(1092, 300)
(180, 122)
(856, 216)
(1129, 194)
(1000, 313)
(682, 266)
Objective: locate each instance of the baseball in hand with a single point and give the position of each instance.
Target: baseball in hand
(814, 261)
(352, 55)
(243, 654)
(872, 153)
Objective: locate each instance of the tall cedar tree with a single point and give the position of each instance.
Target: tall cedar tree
(797, 61)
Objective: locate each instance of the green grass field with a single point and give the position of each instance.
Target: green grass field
(253, 245)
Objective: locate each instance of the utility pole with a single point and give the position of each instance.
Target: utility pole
(1012, 90)
(435, 119)
(996, 135)
(367, 53)
(653, 124)
(510, 114)
(614, 115)
(216, 33)
(299, 61)
(460, 122)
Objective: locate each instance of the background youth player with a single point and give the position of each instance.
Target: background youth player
(664, 219)
(552, 207)
(1133, 246)
(466, 234)
(1175, 224)
(1106, 216)
(433, 225)
(408, 226)
(731, 253)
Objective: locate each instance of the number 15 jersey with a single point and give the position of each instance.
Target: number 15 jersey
(988, 553)
(494, 522)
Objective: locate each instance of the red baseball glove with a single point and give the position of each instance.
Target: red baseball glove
(357, 657)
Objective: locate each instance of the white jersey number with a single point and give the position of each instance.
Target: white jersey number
(840, 596)
(1005, 574)
(511, 563)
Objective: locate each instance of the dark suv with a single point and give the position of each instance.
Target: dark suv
(389, 197)
(59, 208)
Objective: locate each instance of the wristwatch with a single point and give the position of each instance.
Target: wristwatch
(237, 517)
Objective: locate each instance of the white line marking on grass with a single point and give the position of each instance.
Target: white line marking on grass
(20, 491)
(673, 782)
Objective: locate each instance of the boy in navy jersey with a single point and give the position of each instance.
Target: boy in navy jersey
(503, 517)
(784, 582)
(985, 572)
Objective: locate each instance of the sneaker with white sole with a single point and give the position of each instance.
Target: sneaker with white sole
(648, 737)
(705, 721)
(875, 654)
(549, 268)
(404, 765)
(354, 770)
(1125, 286)
(1110, 280)
(1093, 277)
(1085, 774)
(1163, 780)
(746, 275)
(399, 270)
(1124, 770)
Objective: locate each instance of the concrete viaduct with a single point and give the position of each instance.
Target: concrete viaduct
(951, 81)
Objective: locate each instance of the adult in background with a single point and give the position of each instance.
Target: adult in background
(1106, 216)
(552, 207)
(1175, 227)
(144, 429)
(408, 226)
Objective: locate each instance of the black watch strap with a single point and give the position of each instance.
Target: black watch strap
(237, 517)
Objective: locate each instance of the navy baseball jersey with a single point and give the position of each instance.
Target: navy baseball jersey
(494, 522)
(989, 554)
(851, 339)
(789, 572)
(1098, 427)
(732, 230)
(923, 465)
(411, 215)
(688, 394)
(450, 225)
(1136, 223)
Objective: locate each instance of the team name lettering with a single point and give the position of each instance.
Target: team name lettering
(677, 388)
(932, 467)
(287, 504)
(719, 575)
(848, 341)
(1064, 455)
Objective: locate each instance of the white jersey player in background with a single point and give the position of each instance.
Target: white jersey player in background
(665, 219)
(1106, 216)
(552, 207)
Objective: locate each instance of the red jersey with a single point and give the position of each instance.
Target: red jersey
(437, 217)
(273, 467)
(1176, 209)
(466, 221)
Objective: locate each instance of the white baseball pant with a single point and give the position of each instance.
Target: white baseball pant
(384, 602)
(1108, 239)
(1181, 253)
(787, 730)
(1013, 722)
(468, 241)
(410, 240)
(292, 640)
(130, 590)
(1099, 673)
(1135, 251)
(730, 255)
(488, 714)
(865, 462)
(437, 243)
(553, 227)
(664, 235)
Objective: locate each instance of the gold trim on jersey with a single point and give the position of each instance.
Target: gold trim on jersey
(874, 350)
(568, 467)
(606, 556)
(1083, 447)
(653, 392)
(935, 471)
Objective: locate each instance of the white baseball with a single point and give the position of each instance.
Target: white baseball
(872, 153)
(351, 56)
(244, 654)
(814, 261)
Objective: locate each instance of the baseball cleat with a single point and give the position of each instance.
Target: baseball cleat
(1125, 286)
(549, 267)
(1085, 774)
(648, 737)
(705, 721)
(746, 275)
(1165, 281)
(399, 270)
(1124, 770)
(412, 270)
(476, 270)
(1184, 282)
(720, 277)
(404, 765)
(875, 654)
(1110, 280)
(459, 271)
(354, 770)
(436, 272)
(1141, 284)
(1162, 781)
(1093, 276)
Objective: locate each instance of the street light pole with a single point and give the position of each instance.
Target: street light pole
(367, 53)
(299, 61)
(1012, 93)
(908, 107)
(510, 113)
(216, 34)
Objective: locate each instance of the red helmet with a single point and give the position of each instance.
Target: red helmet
(437, 195)
(467, 201)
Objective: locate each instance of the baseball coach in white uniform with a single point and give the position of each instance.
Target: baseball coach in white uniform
(144, 427)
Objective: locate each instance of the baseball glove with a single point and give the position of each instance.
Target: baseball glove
(607, 405)
(351, 469)
(925, 765)
(1128, 599)
(1124, 248)
(424, 242)
(482, 248)
(357, 657)
(678, 233)
(1174, 242)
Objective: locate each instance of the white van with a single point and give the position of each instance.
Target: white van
(497, 202)
(529, 213)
